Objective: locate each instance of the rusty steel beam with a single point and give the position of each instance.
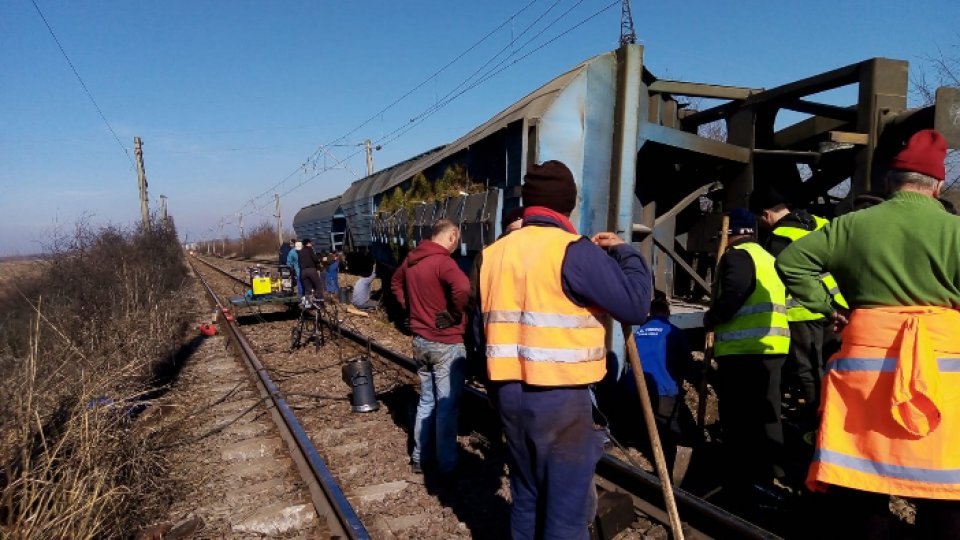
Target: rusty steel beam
(822, 109)
(781, 95)
(807, 130)
(694, 143)
(883, 95)
(712, 91)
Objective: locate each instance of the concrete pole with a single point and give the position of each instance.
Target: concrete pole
(276, 198)
(240, 218)
(142, 180)
(368, 145)
(163, 208)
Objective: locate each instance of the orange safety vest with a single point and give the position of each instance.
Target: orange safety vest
(534, 333)
(890, 414)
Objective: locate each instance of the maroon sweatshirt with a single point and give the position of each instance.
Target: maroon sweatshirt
(428, 282)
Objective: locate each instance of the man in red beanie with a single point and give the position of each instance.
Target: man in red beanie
(890, 420)
(544, 294)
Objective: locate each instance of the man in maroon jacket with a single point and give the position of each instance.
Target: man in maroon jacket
(433, 290)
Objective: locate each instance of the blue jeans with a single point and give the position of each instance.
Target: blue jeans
(554, 450)
(440, 367)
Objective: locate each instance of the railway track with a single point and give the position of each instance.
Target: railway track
(701, 519)
(327, 497)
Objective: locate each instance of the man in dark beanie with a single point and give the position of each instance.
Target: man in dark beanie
(889, 420)
(544, 293)
(550, 185)
(749, 319)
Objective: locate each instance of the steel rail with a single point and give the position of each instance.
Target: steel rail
(701, 518)
(328, 499)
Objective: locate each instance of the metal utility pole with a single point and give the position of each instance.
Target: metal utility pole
(142, 179)
(368, 145)
(627, 35)
(276, 198)
(163, 208)
(240, 218)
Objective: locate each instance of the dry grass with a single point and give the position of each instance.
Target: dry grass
(82, 342)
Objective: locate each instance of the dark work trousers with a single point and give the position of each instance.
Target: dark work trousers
(804, 366)
(554, 451)
(311, 281)
(853, 514)
(749, 394)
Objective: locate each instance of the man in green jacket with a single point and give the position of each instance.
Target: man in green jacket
(897, 255)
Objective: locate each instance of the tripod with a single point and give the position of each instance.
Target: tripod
(310, 308)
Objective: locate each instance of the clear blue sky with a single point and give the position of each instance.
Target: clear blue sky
(231, 97)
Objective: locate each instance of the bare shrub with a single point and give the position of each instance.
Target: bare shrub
(80, 343)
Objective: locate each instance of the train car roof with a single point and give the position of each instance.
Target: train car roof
(314, 212)
(532, 106)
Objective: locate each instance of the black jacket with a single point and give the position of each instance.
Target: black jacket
(308, 258)
(736, 278)
(284, 250)
(800, 219)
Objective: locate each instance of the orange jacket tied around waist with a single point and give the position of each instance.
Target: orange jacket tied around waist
(890, 412)
(534, 333)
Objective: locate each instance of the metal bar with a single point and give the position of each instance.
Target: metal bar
(781, 94)
(710, 519)
(694, 143)
(803, 132)
(683, 264)
(845, 137)
(713, 91)
(822, 109)
(686, 201)
(797, 155)
(328, 499)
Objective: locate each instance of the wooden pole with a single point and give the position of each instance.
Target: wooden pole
(276, 198)
(708, 345)
(658, 457)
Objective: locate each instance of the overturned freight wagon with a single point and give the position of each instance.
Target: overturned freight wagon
(645, 168)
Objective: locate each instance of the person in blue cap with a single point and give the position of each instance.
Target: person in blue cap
(749, 319)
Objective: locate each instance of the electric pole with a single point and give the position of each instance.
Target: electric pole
(142, 179)
(163, 209)
(240, 218)
(627, 35)
(276, 198)
(368, 145)
(223, 241)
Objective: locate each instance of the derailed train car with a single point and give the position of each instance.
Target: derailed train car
(642, 167)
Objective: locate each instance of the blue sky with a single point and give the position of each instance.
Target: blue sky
(230, 98)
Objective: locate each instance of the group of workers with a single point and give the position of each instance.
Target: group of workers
(874, 370)
(306, 266)
(880, 397)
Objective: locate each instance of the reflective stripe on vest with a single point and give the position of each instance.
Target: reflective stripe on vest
(760, 326)
(795, 311)
(889, 421)
(534, 333)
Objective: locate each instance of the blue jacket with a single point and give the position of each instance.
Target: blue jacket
(293, 261)
(663, 352)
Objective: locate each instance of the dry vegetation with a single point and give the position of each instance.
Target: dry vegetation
(84, 340)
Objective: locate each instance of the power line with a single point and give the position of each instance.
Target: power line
(82, 84)
(398, 100)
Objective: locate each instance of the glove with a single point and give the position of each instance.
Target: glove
(445, 320)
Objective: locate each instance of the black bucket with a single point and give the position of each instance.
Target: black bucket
(358, 374)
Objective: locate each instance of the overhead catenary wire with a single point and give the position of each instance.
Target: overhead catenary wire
(500, 67)
(363, 124)
(83, 84)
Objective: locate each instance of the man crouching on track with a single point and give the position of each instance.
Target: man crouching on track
(433, 290)
(544, 291)
(890, 411)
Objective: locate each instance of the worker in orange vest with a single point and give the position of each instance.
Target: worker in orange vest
(545, 292)
(890, 410)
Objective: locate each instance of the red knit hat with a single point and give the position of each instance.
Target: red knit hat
(924, 153)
